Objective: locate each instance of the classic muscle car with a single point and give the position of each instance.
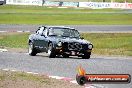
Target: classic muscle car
(59, 40)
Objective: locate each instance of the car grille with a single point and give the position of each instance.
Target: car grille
(74, 46)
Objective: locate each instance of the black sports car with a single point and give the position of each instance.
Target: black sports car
(59, 40)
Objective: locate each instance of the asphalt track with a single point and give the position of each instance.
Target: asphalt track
(81, 28)
(67, 67)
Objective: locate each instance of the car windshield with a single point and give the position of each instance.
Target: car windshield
(64, 32)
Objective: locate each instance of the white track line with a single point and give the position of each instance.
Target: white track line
(16, 31)
(14, 70)
(74, 81)
(2, 31)
(5, 69)
(56, 77)
(3, 50)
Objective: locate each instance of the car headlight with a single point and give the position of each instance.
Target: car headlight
(90, 46)
(59, 43)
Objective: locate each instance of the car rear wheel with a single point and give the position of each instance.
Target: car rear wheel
(51, 52)
(31, 49)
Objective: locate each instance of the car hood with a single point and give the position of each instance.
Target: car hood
(67, 39)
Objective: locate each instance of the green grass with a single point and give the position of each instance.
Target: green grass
(104, 43)
(42, 9)
(6, 75)
(111, 43)
(18, 40)
(54, 16)
(9, 79)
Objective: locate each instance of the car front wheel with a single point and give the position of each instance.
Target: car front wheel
(65, 56)
(86, 56)
(51, 52)
(31, 49)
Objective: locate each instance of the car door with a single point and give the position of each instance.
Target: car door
(41, 39)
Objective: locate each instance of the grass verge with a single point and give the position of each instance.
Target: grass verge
(23, 80)
(62, 16)
(111, 43)
(104, 43)
(14, 40)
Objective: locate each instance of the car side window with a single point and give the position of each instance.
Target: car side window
(44, 32)
(40, 31)
(37, 32)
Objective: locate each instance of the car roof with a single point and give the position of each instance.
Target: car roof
(58, 27)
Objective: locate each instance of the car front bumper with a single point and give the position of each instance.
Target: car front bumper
(61, 51)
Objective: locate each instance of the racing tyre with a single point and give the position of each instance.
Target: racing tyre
(51, 51)
(31, 49)
(65, 56)
(86, 56)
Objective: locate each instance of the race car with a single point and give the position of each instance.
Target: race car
(59, 41)
(2, 2)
